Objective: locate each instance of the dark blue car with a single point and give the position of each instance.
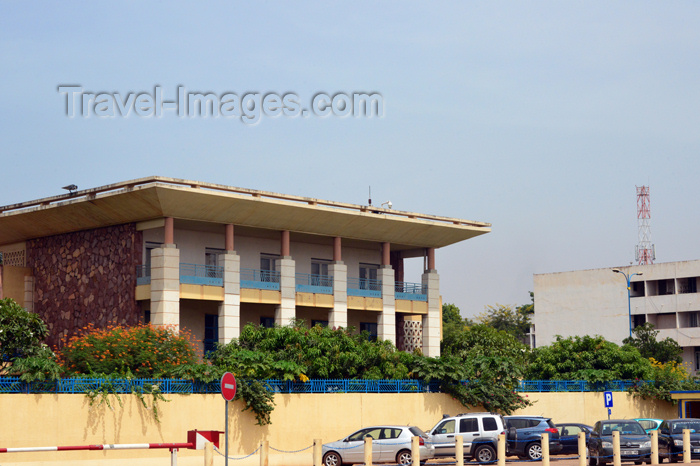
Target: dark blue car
(568, 436)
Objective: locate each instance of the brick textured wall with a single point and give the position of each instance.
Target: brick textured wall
(86, 276)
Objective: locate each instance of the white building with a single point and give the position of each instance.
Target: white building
(595, 302)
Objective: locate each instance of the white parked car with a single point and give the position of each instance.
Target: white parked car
(390, 444)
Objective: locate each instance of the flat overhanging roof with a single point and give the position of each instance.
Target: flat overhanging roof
(157, 197)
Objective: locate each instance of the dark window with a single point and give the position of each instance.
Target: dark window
(370, 328)
(470, 424)
(147, 316)
(267, 322)
(211, 332)
(322, 323)
(490, 424)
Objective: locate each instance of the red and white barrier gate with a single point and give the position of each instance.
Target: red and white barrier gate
(196, 439)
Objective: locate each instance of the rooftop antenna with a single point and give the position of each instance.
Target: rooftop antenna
(645, 250)
(370, 196)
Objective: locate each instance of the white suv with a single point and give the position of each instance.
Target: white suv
(479, 433)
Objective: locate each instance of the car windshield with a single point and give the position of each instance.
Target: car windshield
(629, 428)
(678, 427)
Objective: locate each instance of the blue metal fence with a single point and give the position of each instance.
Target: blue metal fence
(260, 279)
(364, 287)
(84, 385)
(196, 274)
(411, 291)
(143, 275)
(314, 283)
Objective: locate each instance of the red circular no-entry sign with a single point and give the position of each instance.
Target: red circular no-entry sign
(228, 386)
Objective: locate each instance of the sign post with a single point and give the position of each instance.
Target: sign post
(608, 402)
(228, 391)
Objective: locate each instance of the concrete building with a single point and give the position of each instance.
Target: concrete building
(595, 302)
(211, 258)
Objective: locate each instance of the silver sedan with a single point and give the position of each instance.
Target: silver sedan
(390, 444)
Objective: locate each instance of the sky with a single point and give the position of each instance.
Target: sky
(539, 117)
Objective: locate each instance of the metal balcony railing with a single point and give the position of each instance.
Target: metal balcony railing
(260, 279)
(411, 291)
(314, 283)
(196, 274)
(365, 287)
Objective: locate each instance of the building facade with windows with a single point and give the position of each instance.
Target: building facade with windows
(211, 258)
(595, 302)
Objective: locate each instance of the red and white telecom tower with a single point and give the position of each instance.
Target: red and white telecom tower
(645, 252)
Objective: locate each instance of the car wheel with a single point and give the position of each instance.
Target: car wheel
(637, 462)
(534, 451)
(332, 459)
(485, 454)
(404, 457)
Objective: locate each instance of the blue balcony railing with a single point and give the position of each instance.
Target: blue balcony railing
(411, 291)
(364, 287)
(196, 274)
(260, 279)
(313, 283)
(143, 275)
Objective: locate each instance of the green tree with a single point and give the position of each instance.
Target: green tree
(22, 333)
(452, 321)
(645, 341)
(491, 360)
(593, 359)
(516, 321)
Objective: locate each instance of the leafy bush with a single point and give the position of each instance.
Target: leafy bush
(21, 332)
(593, 359)
(138, 351)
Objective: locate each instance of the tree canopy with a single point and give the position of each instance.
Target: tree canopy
(645, 341)
(22, 333)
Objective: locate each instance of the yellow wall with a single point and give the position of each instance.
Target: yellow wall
(13, 282)
(52, 420)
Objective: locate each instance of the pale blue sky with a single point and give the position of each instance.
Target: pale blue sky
(539, 117)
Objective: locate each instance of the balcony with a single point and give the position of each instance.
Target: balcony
(411, 291)
(143, 275)
(260, 279)
(364, 287)
(195, 274)
(313, 283)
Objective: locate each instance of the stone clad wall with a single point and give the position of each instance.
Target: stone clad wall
(86, 276)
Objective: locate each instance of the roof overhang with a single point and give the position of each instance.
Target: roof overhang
(157, 197)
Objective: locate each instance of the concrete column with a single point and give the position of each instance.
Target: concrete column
(386, 254)
(29, 293)
(284, 246)
(431, 258)
(169, 227)
(431, 321)
(337, 249)
(386, 328)
(165, 286)
(229, 237)
(230, 308)
(339, 314)
(286, 311)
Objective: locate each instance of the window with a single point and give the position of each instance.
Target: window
(150, 246)
(693, 319)
(267, 261)
(490, 424)
(370, 328)
(368, 276)
(447, 427)
(320, 267)
(267, 322)
(697, 360)
(470, 424)
(211, 259)
(322, 323)
(211, 332)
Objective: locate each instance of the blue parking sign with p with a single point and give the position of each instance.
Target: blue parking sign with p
(608, 399)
